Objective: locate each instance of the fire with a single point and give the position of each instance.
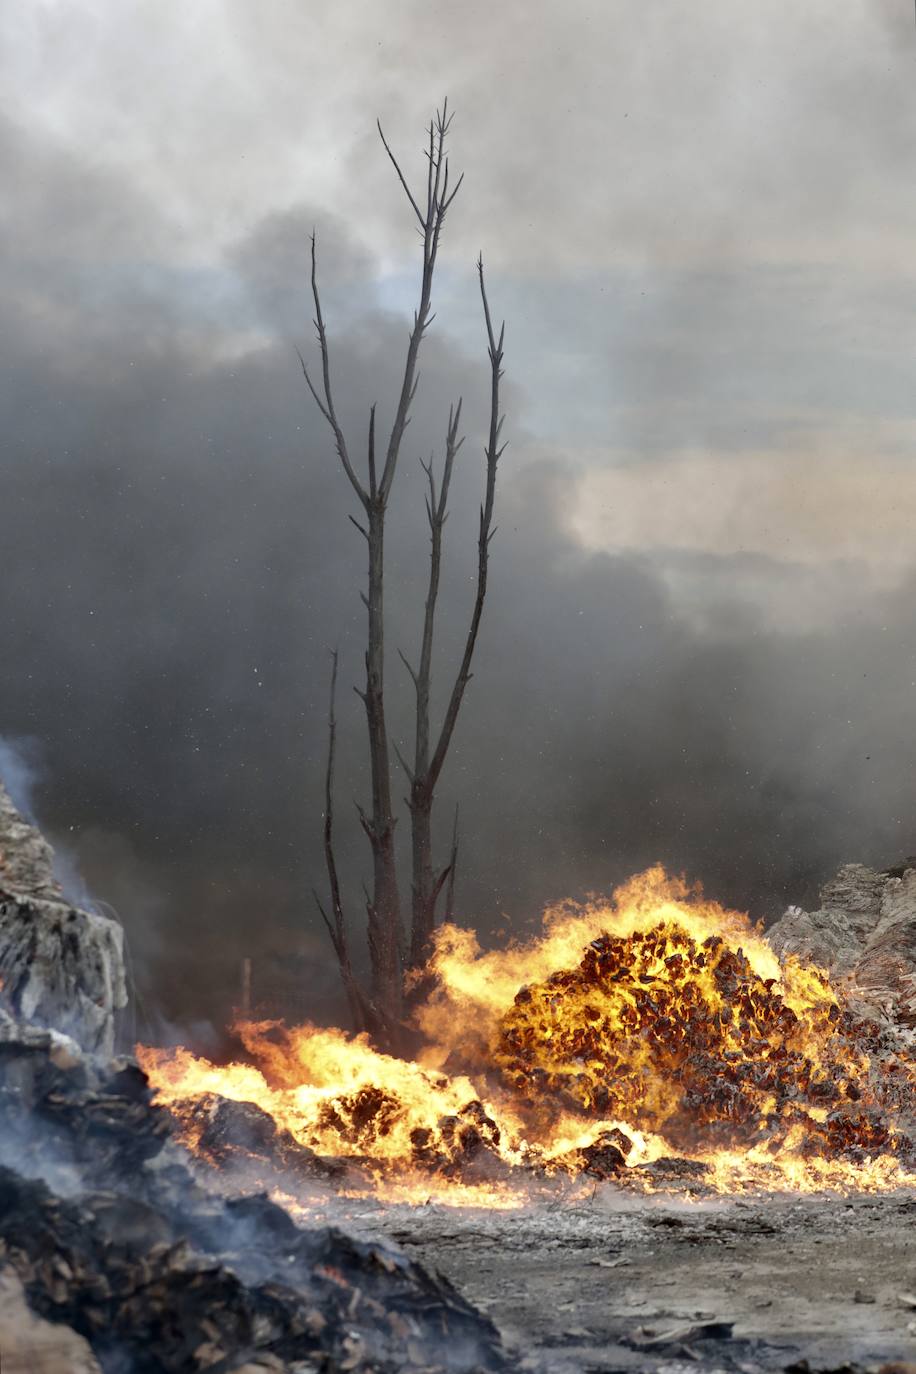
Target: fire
(656, 1025)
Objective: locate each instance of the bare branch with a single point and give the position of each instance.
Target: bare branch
(429, 175)
(336, 903)
(401, 178)
(336, 923)
(492, 453)
(327, 406)
(432, 228)
(407, 665)
(318, 401)
(324, 916)
(404, 764)
(447, 202)
(426, 889)
(365, 821)
(373, 490)
(440, 883)
(452, 870)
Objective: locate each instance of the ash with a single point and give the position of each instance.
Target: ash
(673, 1284)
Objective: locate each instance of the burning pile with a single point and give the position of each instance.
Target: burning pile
(659, 1026)
(686, 1040)
(109, 1234)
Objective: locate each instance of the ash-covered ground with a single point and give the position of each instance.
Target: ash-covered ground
(659, 1283)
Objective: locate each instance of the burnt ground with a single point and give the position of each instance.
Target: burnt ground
(592, 1286)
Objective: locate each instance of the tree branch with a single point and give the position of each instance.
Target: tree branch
(336, 923)
(493, 452)
(432, 228)
(327, 406)
(401, 177)
(452, 870)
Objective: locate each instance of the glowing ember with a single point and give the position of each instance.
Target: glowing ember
(660, 1025)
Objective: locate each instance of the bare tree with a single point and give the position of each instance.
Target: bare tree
(389, 949)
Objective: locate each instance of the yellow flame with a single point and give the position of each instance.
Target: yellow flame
(527, 1048)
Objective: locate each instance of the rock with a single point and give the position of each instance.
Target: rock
(26, 858)
(60, 967)
(864, 933)
(672, 1170)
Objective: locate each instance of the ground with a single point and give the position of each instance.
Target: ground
(827, 1280)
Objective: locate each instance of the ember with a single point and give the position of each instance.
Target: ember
(659, 1026)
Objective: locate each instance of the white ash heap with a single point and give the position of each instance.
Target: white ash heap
(864, 934)
(60, 967)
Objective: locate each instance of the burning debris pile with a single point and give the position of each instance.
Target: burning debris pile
(686, 1040)
(109, 1234)
(113, 1257)
(657, 1037)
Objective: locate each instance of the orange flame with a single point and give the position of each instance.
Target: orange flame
(657, 1024)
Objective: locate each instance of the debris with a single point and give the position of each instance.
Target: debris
(865, 932)
(687, 1038)
(148, 1266)
(606, 1155)
(648, 1338)
(673, 1169)
(229, 1129)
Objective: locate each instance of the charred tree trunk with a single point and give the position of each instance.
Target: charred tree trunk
(384, 908)
(427, 883)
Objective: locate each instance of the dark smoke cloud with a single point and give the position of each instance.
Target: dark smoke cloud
(177, 562)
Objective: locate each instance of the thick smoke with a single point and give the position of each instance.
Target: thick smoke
(178, 562)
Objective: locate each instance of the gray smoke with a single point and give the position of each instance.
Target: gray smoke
(177, 563)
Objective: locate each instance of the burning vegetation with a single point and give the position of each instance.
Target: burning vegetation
(655, 1036)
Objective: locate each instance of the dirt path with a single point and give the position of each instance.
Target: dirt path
(579, 1287)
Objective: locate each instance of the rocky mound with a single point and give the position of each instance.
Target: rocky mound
(60, 966)
(864, 934)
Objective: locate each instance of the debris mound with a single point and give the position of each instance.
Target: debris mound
(110, 1234)
(864, 935)
(683, 1038)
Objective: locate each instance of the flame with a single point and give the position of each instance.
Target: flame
(658, 1024)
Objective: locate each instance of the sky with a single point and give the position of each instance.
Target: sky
(699, 645)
